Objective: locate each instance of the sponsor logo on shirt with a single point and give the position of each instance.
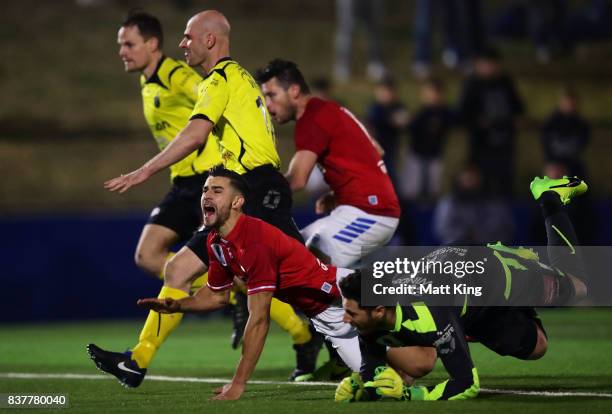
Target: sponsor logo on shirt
(218, 251)
(445, 344)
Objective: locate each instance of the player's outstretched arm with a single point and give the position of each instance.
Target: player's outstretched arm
(254, 338)
(192, 137)
(165, 305)
(205, 300)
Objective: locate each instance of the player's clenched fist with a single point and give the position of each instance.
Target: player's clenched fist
(165, 305)
(387, 383)
(350, 389)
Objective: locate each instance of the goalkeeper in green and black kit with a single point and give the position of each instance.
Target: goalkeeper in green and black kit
(516, 276)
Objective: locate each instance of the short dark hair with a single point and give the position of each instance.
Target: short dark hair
(148, 25)
(236, 180)
(285, 71)
(350, 287)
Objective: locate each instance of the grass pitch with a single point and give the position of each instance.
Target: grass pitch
(576, 370)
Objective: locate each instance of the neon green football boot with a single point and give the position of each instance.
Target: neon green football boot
(566, 187)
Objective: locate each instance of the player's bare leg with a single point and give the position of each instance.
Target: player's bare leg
(181, 271)
(153, 247)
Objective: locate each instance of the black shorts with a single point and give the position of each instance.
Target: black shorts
(180, 209)
(507, 330)
(269, 199)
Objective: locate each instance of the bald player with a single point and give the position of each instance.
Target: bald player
(230, 108)
(169, 91)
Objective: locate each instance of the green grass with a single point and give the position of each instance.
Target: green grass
(578, 360)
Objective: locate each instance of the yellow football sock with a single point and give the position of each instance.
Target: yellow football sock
(156, 329)
(232, 298)
(284, 315)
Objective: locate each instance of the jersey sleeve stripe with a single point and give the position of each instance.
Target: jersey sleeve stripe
(342, 239)
(201, 116)
(365, 220)
(172, 73)
(261, 288)
(355, 229)
(361, 226)
(216, 288)
(348, 234)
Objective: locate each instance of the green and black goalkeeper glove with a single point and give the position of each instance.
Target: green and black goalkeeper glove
(350, 389)
(388, 384)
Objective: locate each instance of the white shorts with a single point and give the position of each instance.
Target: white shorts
(343, 337)
(348, 234)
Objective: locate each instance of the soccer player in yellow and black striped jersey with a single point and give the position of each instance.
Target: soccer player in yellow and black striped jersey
(231, 108)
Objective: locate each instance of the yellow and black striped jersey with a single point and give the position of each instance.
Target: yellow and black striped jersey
(168, 98)
(230, 98)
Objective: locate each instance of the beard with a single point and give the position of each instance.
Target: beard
(218, 219)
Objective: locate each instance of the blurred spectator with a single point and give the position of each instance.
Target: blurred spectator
(580, 211)
(321, 88)
(489, 106)
(91, 3)
(429, 129)
(548, 21)
(387, 118)
(552, 26)
(566, 134)
(592, 22)
(468, 216)
(369, 12)
(463, 29)
(474, 28)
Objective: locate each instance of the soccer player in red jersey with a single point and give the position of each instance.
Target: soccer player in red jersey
(270, 263)
(367, 209)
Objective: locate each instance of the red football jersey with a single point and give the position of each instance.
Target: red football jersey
(351, 165)
(269, 260)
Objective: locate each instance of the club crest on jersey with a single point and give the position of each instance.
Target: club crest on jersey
(326, 287)
(373, 200)
(156, 101)
(219, 254)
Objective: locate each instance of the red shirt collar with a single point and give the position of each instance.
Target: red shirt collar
(234, 235)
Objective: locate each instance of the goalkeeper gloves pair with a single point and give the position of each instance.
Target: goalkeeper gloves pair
(386, 384)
